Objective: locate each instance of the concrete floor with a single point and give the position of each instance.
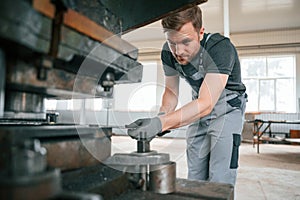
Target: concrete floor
(274, 174)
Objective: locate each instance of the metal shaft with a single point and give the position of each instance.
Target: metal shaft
(143, 146)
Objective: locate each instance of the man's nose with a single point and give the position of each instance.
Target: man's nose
(179, 48)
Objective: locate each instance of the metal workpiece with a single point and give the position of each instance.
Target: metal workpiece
(162, 178)
(148, 169)
(132, 159)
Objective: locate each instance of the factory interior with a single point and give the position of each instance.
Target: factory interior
(74, 73)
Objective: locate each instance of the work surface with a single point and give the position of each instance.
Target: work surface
(189, 190)
(274, 174)
(261, 127)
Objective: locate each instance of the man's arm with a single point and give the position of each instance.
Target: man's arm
(147, 128)
(170, 95)
(209, 93)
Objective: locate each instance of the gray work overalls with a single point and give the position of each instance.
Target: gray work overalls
(213, 141)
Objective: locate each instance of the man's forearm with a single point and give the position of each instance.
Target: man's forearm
(209, 94)
(185, 115)
(169, 102)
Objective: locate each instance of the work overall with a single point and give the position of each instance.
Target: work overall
(213, 141)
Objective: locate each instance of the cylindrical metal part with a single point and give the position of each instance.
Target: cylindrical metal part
(143, 146)
(162, 178)
(22, 102)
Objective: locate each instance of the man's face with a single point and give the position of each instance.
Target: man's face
(185, 43)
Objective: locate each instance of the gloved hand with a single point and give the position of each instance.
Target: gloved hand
(144, 129)
(164, 132)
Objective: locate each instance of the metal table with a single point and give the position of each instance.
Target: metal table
(258, 129)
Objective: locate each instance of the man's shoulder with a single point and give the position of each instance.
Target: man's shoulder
(166, 53)
(219, 41)
(165, 47)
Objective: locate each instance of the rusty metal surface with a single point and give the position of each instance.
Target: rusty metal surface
(139, 13)
(24, 25)
(204, 190)
(27, 36)
(76, 153)
(68, 146)
(35, 187)
(90, 18)
(114, 184)
(57, 80)
(187, 190)
(98, 179)
(92, 9)
(64, 82)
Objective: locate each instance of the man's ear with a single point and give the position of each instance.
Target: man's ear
(201, 33)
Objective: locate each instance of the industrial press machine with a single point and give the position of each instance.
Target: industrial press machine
(71, 49)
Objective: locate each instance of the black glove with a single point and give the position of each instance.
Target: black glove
(164, 132)
(144, 129)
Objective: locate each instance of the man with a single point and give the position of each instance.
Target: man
(210, 64)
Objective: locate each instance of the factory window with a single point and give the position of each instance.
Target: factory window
(138, 96)
(95, 104)
(270, 82)
(50, 104)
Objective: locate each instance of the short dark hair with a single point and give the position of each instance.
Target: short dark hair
(177, 20)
